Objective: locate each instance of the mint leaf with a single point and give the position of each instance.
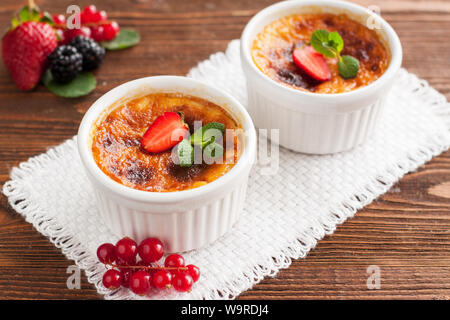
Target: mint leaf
(125, 39)
(348, 67)
(83, 84)
(335, 41)
(185, 153)
(207, 133)
(320, 43)
(205, 137)
(320, 35)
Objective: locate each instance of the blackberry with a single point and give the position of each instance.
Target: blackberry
(91, 51)
(65, 63)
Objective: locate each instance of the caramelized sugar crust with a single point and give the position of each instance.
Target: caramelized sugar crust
(117, 148)
(272, 51)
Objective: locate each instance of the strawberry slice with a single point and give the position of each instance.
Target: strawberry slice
(312, 62)
(164, 133)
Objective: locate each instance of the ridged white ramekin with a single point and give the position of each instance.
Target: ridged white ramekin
(183, 220)
(311, 122)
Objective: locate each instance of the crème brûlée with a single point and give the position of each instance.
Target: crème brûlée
(117, 149)
(273, 47)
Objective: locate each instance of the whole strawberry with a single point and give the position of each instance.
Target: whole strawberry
(26, 46)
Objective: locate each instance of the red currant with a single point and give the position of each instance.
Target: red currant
(90, 9)
(88, 13)
(59, 19)
(99, 16)
(126, 250)
(106, 253)
(111, 30)
(193, 271)
(140, 282)
(182, 282)
(83, 31)
(112, 279)
(126, 275)
(69, 34)
(174, 261)
(97, 33)
(103, 15)
(151, 250)
(162, 279)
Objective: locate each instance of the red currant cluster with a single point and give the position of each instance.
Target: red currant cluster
(94, 24)
(143, 275)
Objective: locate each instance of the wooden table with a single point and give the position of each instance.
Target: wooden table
(406, 232)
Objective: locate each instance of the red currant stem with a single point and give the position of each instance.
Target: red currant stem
(88, 24)
(146, 267)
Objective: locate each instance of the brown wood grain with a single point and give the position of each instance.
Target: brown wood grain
(406, 232)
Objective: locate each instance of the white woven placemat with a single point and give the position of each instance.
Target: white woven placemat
(285, 214)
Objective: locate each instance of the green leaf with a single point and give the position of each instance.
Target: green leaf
(25, 14)
(185, 153)
(211, 129)
(207, 133)
(125, 39)
(335, 41)
(207, 141)
(320, 43)
(83, 84)
(29, 14)
(15, 22)
(348, 67)
(321, 35)
(35, 14)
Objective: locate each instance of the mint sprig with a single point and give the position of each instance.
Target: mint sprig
(205, 138)
(330, 44)
(206, 134)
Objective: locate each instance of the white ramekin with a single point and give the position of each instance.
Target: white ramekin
(183, 220)
(310, 122)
